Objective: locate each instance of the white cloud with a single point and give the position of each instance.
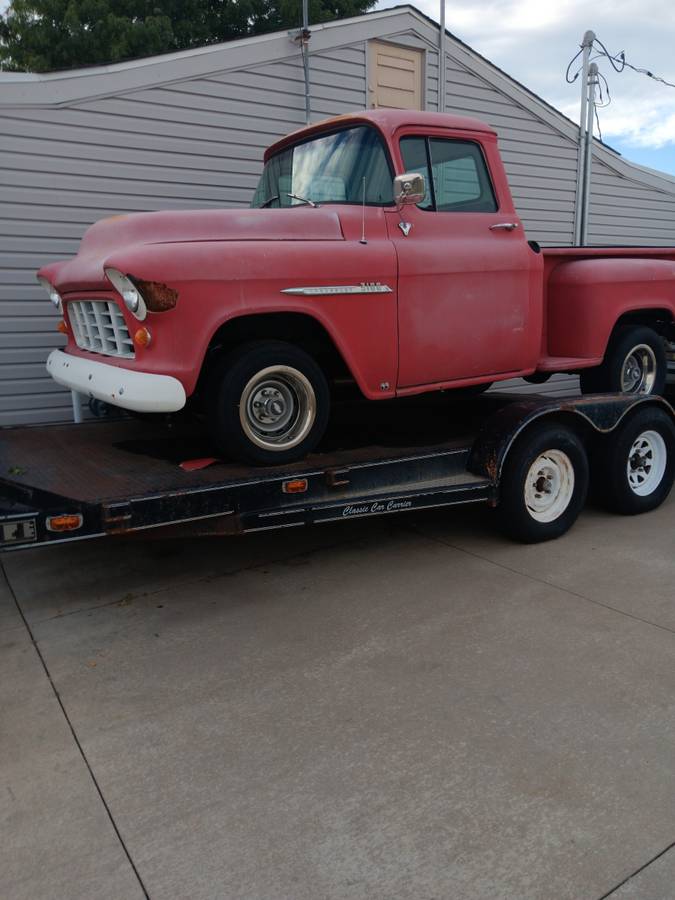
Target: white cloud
(533, 41)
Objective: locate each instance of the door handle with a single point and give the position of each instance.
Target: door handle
(504, 226)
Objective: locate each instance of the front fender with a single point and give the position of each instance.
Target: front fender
(220, 281)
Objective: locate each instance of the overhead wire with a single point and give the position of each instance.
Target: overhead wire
(619, 63)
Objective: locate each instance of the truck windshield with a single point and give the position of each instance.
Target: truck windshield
(328, 169)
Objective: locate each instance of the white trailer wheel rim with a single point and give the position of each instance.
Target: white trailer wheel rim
(646, 464)
(549, 486)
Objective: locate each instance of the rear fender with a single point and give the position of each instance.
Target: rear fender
(587, 297)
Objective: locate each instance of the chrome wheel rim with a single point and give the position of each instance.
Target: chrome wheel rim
(549, 486)
(277, 408)
(646, 464)
(638, 373)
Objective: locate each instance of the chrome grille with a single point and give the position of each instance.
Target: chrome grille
(99, 326)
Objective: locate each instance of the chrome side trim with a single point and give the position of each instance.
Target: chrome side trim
(366, 287)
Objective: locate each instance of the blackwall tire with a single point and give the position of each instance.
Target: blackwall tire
(544, 484)
(635, 469)
(635, 363)
(270, 403)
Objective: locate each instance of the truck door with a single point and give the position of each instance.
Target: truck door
(464, 289)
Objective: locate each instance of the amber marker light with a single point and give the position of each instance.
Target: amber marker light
(62, 327)
(142, 337)
(65, 522)
(296, 486)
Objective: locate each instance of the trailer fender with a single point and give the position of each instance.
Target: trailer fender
(597, 413)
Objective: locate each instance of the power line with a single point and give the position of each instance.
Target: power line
(618, 62)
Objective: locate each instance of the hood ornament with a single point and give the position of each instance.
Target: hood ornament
(405, 228)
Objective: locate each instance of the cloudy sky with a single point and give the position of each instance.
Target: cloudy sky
(533, 41)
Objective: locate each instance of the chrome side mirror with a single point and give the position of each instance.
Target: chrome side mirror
(409, 188)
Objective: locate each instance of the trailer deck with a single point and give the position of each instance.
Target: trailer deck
(70, 482)
(126, 475)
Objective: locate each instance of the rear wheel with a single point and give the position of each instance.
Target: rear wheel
(635, 363)
(544, 484)
(636, 468)
(269, 403)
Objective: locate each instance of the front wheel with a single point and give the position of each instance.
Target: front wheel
(544, 484)
(635, 363)
(636, 469)
(269, 403)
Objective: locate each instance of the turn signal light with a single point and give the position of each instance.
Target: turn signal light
(142, 338)
(66, 522)
(296, 486)
(62, 327)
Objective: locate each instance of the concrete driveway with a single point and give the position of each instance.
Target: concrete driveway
(394, 708)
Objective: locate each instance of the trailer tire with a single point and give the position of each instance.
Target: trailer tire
(635, 469)
(544, 483)
(635, 362)
(270, 403)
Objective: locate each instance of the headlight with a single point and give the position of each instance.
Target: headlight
(129, 293)
(54, 295)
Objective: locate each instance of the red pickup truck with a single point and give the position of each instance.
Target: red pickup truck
(381, 246)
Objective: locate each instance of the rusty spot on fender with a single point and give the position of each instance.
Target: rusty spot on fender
(158, 296)
(491, 466)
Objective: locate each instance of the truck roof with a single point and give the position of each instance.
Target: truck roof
(388, 121)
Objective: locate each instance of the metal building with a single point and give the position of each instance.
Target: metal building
(188, 130)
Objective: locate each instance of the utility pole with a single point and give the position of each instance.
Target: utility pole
(441, 61)
(301, 37)
(586, 47)
(304, 46)
(588, 153)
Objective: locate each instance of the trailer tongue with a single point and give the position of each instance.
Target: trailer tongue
(529, 456)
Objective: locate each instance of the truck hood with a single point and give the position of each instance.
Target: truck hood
(110, 237)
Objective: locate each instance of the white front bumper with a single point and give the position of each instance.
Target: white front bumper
(127, 388)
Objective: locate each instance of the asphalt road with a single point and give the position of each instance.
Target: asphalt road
(406, 707)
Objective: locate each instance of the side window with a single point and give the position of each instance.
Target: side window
(414, 154)
(461, 180)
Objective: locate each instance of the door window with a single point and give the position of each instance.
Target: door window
(460, 181)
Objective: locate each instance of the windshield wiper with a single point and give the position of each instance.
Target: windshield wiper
(268, 201)
(303, 200)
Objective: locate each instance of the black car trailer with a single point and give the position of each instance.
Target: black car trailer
(530, 457)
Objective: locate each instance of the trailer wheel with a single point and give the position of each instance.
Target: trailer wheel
(544, 484)
(269, 403)
(636, 469)
(635, 363)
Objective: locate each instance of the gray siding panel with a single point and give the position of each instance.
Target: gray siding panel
(537, 158)
(624, 212)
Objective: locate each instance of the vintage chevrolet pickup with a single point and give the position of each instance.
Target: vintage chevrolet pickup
(382, 247)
